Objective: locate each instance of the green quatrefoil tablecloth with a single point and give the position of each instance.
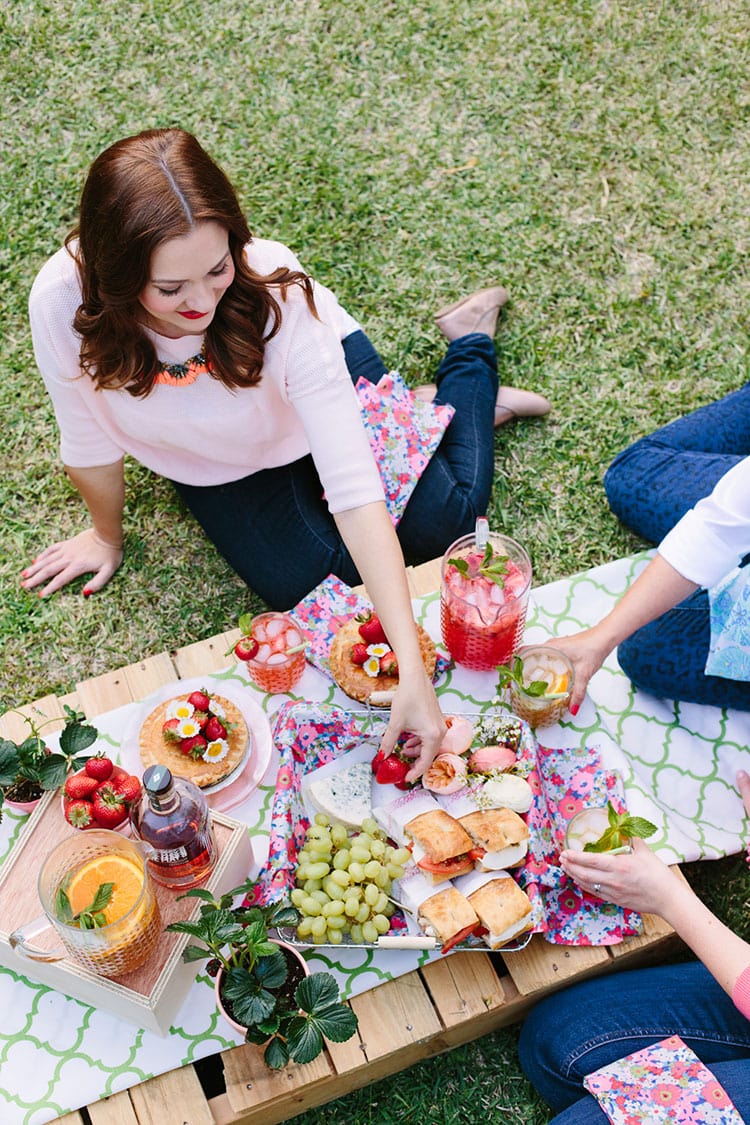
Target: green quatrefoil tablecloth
(678, 762)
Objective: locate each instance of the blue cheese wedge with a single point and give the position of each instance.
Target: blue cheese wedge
(344, 796)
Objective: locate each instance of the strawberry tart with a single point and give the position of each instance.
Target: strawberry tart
(362, 662)
(198, 736)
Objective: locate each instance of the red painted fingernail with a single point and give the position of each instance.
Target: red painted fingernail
(86, 592)
(574, 709)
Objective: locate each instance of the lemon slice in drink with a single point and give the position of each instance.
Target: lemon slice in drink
(559, 684)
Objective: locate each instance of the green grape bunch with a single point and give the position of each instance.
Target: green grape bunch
(344, 882)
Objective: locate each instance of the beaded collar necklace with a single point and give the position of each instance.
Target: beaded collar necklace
(183, 374)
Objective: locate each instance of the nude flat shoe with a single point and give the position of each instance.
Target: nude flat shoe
(511, 402)
(476, 313)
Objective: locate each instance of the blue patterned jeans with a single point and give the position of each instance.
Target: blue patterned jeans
(650, 486)
(592, 1024)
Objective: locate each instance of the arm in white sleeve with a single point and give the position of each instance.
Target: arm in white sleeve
(712, 537)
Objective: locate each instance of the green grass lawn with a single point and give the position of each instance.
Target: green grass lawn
(592, 156)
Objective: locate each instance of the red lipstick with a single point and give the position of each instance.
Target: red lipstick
(192, 315)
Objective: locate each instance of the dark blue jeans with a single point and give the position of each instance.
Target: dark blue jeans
(274, 528)
(592, 1024)
(650, 486)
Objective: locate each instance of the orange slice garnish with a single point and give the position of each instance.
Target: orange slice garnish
(124, 873)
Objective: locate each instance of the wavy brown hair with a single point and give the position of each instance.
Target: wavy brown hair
(141, 192)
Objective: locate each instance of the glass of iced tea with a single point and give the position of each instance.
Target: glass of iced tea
(483, 600)
(279, 661)
(542, 696)
(97, 895)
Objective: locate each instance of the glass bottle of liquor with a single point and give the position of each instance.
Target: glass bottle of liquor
(174, 818)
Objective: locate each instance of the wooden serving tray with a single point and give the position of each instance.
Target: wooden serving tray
(151, 995)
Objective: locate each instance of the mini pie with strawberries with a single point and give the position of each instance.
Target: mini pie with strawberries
(377, 672)
(186, 738)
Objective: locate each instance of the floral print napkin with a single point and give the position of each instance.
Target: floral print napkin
(404, 433)
(323, 611)
(564, 782)
(662, 1083)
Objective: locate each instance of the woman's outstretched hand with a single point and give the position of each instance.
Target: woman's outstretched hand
(587, 651)
(62, 562)
(415, 709)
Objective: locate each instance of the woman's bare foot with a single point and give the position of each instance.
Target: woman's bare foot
(511, 402)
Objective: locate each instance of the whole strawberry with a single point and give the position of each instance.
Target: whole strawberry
(169, 730)
(370, 629)
(194, 746)
(80, 786)
(109, 808)
(200, 700)
(129, 789)
(359, 654)
(246, 648)
(80, 814)
(214, 729)
(388, 664)
(99, 767)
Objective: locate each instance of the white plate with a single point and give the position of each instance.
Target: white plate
(259, 745)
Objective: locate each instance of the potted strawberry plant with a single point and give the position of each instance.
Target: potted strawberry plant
(29, 767)
(263, 986)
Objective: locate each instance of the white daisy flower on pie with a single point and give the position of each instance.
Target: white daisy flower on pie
(372, 665)
(180, 709)
(188, 728)
(378, 650)
(216, 750)
(217, 709)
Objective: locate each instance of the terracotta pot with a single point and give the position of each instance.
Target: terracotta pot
(289, 950)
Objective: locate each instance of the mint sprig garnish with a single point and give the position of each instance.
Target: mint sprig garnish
(93, 917)
(508, 673)
(622, 828)
(493, 567)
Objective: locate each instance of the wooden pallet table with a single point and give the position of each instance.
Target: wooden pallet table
(414, 1017)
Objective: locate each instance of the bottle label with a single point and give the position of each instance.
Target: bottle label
(173, 855)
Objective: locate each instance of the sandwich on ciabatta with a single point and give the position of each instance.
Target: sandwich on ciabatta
(499, 834)
(442, 849)
(440, 910)
(504, 910)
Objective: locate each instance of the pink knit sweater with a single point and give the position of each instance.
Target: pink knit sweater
(741, 992)
(205, 433)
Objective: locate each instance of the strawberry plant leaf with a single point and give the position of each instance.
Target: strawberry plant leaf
(317, 991)
(9, 762)
(276, 1054)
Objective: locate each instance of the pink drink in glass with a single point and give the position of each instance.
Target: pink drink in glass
(276, 667)
(482, 621)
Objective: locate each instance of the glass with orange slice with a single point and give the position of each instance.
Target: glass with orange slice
(541, 685)
(97, 894)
